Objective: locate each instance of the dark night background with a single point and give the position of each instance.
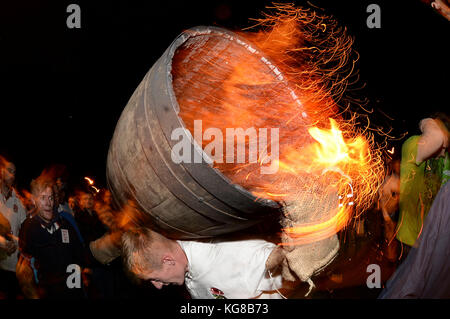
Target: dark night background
(63, 90)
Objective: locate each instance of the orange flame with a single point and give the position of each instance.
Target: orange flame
(292, 78)
(332, 149)
(351, 159)
(312, 232)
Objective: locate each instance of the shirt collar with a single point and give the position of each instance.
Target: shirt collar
(11, 194)
(190, 273)
(50, 224)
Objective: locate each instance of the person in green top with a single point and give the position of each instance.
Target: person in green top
(424, 168)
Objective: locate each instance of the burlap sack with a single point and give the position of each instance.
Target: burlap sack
(316, 201)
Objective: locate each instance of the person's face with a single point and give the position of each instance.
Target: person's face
(107, 198)
(9, 174)
(71, 202)
(171, 272)
(59, 183)
(44, 203)
(60, 187)
(87, 201)
(390, 194)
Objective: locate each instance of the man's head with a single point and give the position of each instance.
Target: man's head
(7, 172)
(56, 195)
(437, 125)
(43, 198)
(153, 257)
(389, 194)
(72, 202)
(86, 201)
(60, 189)
(107, 197)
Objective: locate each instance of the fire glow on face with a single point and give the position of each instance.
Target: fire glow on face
(288, 76)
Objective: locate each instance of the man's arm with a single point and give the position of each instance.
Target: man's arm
(106, 248)
(431, 142)
(7, 246)
(25, 277)
(388, 202)
(24, 270)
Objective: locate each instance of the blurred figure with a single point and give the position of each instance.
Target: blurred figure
(87, 218)
(27, 200)
(61, 196)
(95, 234)
(12, 214)
(51, 254)
(104, 210)
(426, 272)
(388, 204)
(73, 204)
(425, 166)
(107, 197)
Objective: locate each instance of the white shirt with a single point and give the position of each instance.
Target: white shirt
(232, 269)
(14, 211)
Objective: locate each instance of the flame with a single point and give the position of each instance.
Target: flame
(312, 232)
(289, 75)
(332, 149)
(353, 164)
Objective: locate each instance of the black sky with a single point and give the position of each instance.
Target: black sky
(63, 90)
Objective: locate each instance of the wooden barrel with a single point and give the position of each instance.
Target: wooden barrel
(185, 200)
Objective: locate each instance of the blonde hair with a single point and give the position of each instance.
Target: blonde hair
(143, 250)
(40, 184)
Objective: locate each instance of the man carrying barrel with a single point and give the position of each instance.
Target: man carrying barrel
(210, 269)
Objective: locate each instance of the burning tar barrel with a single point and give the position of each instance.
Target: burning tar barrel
(195, 79)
